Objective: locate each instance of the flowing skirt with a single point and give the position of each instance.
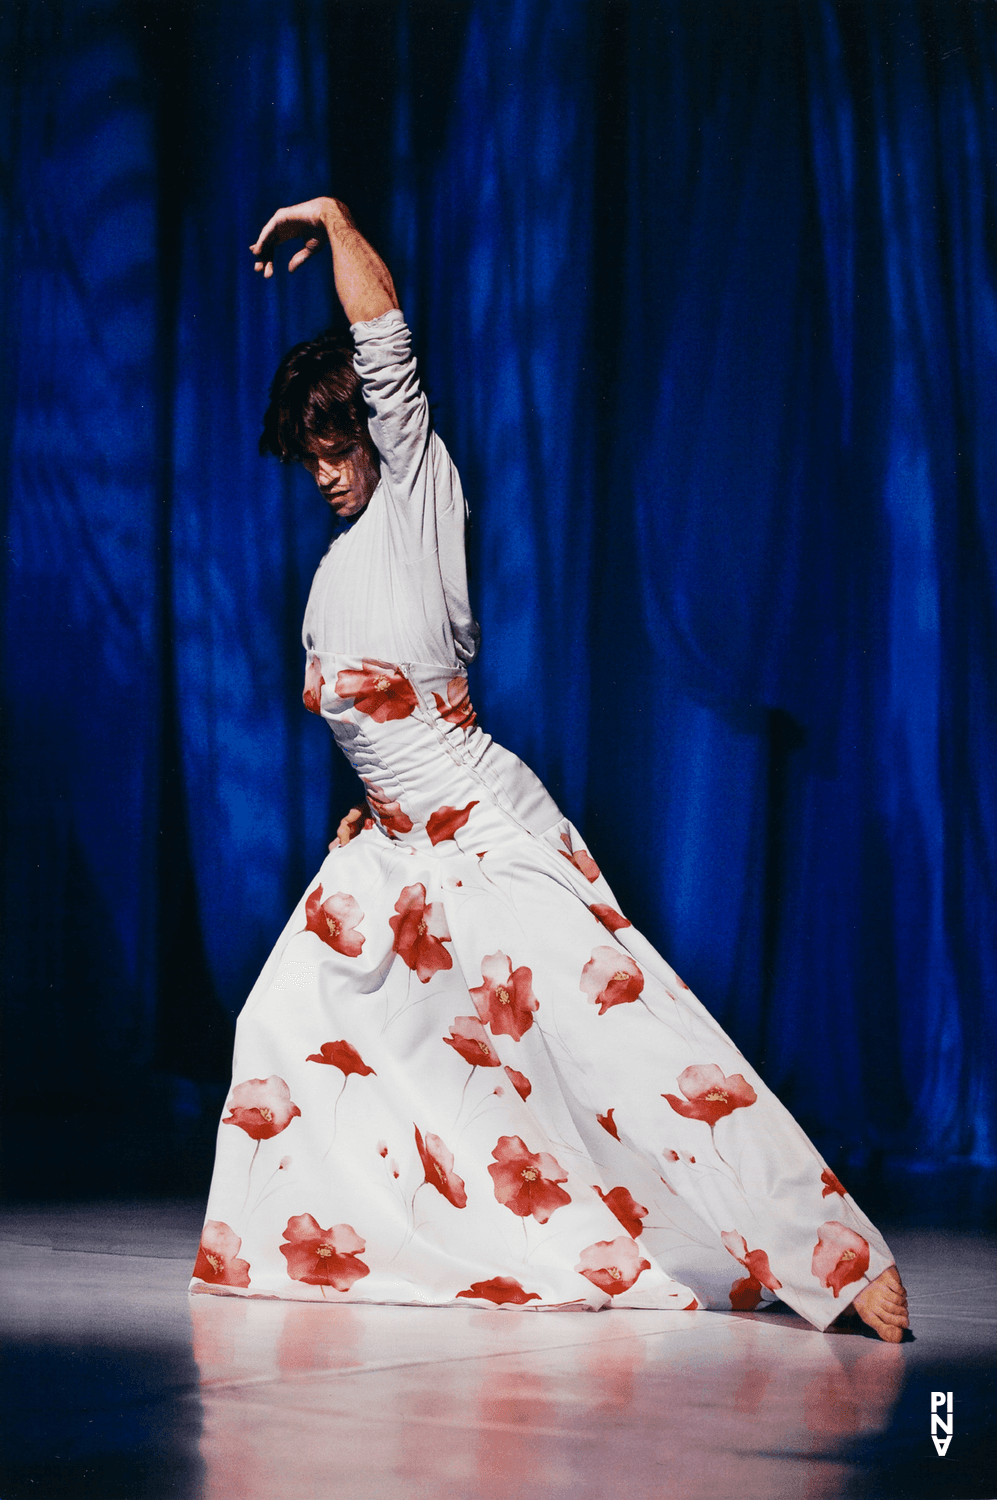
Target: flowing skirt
(464, 1077)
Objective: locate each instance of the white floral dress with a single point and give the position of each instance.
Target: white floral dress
(463, 1076)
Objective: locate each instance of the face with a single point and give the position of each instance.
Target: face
(344, 471)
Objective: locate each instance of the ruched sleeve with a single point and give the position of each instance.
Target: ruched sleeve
(420, 490)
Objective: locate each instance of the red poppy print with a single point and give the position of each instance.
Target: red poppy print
(831, 1183)
(420, 930)
(471, 1040)
(520, 1083)
(314, 683)
(709, 1095)
(608, 1123)
(323, 1257)
(217, 1254)
(609, 917)
(457, 709)
(262, 1107)
(500, 1290)
(620, 1202)
(446, 822)
(505, 1000)
(342, 1056)
(527, 1182)
(746, 1294)
(379, 690)
(336, 921)
(612, 1265)
(840, 1256)
(388, 813)
(580, 858)
(437, 1163)
(611, 978)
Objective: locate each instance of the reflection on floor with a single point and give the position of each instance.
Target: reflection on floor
(120, 1387)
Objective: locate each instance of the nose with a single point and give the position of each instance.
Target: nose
(328, 472)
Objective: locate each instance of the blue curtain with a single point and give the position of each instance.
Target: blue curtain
(704, 294)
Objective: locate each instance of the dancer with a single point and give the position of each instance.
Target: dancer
(463, 1076)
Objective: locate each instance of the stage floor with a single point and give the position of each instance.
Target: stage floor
(121, 1387)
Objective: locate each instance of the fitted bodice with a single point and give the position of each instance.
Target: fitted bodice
(434, 779)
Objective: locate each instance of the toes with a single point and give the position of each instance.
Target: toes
(893, 1319)
(890, 1331)
(882, 1306)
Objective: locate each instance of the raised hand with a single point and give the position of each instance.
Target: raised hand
(363, 281)
(300, 221)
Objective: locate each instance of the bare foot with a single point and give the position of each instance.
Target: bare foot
(883, 1305)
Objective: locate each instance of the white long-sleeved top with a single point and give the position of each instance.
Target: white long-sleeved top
(394, 586)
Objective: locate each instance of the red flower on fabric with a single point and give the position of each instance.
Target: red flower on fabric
(457, 709)
(840, 1256)
(323, 1257)
(216, 1256)
(608, 1123)
(314, 683)
(831, 1183)
(420, 930)
(445, 822)
(612, 1265)
(342, 1056)
(437, 1163)
(527, 1182)
(746, 1294)
(335, 920)
(505, 1000)
(471, 1040)
(520, 1083)
(580, 858)
(262, 1107)
(499, 1290)
(379, 690)
(389, 814)
(609, 916)
(709, 1095)
(620, 1202)
(611, 978)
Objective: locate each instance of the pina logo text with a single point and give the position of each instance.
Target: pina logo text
(941, 1421)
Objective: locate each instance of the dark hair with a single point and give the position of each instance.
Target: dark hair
(316, 393)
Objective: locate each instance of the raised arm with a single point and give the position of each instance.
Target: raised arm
(363, 282)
